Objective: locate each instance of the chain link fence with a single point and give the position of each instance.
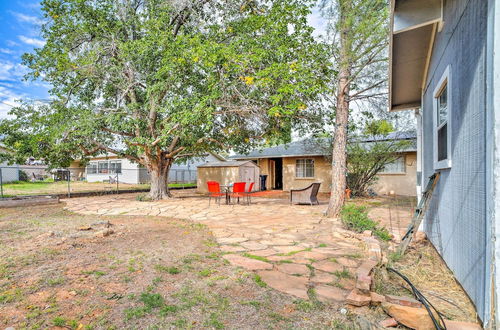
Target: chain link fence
(28, 180)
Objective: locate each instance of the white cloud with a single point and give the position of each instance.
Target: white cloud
(8, 98)
(317, 22)
(27, 18)
(11, 43)
(6, 51)
(10, 71)
(32, 41)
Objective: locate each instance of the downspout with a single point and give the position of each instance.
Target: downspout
(493, 161)
(418, 116)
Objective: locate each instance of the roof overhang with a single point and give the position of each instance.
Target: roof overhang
(413, 26)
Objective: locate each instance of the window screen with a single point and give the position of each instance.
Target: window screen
(304, 168)
(442, 124)
(115, 167)
(92, 168)
(103, 167)
(397, 166)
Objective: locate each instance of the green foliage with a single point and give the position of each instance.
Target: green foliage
(143, 198)
(161, 81)
(356, 218)
(59, 321)
(168, 269)
(23, 176)
(258, 280)
(152, 300)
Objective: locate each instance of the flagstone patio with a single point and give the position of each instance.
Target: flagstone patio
(293, 248)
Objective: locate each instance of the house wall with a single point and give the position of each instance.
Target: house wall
(130, 172)
(322, 174)
(401, 184)
(223, 175)
(456, 220)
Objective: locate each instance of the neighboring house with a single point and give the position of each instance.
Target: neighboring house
(101, 168)
(10, 173)
(298, 164)
(445, 65)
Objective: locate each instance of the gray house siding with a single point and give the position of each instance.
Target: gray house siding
(456, 222)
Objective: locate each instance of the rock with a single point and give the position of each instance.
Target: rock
(311, 255)
(231, 240)
(366, 268)
(457, 325)
(322, 277)
(358, 299)
(328, 293)
(364, 283)
(253, 245)
(377, 298)
(10, 328)
(83, 228)
(388, 323)
(414, 318)
(403, 301)
(46, 235)
(347, 262)
(247, 263)
(328, 266)
(292, 285)
(263, 253)
(367, 233)
(104, 232)
(232, 248)
(420, 237)
(294, 269)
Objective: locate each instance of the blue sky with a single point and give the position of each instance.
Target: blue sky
(19, 33)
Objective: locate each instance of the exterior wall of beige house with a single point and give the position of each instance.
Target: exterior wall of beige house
(399, 183)
(297, 165)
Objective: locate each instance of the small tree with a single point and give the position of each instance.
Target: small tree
(161, 80)
(358, 35)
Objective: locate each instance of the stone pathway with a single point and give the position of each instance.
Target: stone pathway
(291, 248)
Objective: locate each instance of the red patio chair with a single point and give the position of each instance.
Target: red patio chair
(249, 192)
(239, 190)
(214, 191)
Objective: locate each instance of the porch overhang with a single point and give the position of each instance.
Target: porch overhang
(413, 26)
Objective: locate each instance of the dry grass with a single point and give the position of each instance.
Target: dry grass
(430, 275)
(151, 273)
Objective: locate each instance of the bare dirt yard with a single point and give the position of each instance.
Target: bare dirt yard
(151, 272)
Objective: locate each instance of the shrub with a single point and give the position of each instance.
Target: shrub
(356, 218)
(23, 176)
(143, 198)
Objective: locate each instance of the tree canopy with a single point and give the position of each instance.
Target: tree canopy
(160, 80)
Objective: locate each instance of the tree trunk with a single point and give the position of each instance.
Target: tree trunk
(159, 181)
(339, 152)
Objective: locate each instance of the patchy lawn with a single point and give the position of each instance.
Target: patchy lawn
(61, 187)
(62, 269)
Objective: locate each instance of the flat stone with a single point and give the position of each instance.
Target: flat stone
(311, 255)
(358, 299)
(328, 293)
(292, 285)
(347, 283)
(364, 283)
(388, 323)
(328, 266)
(231, 240)
(403, 301)
(366, 268)
(279, 258)
(457, 325)
(294, 269)
(263, 253)
(232, 248)
(251, 245)
(322, 277)
(287, 249)
(347, 262)
(277, 241)
(414, 318)
(247, 263)
(377, 298)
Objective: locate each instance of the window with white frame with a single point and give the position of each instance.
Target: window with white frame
(105, 167)
(442, 129)
(304, 168)
(398, 166)
(92, 168)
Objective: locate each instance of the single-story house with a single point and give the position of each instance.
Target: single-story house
(10, 172)
(445, 66)
(297, 164)
(103, 167)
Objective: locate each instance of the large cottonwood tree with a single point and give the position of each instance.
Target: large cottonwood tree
(156, 81)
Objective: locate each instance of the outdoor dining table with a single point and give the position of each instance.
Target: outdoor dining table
(226, 188)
